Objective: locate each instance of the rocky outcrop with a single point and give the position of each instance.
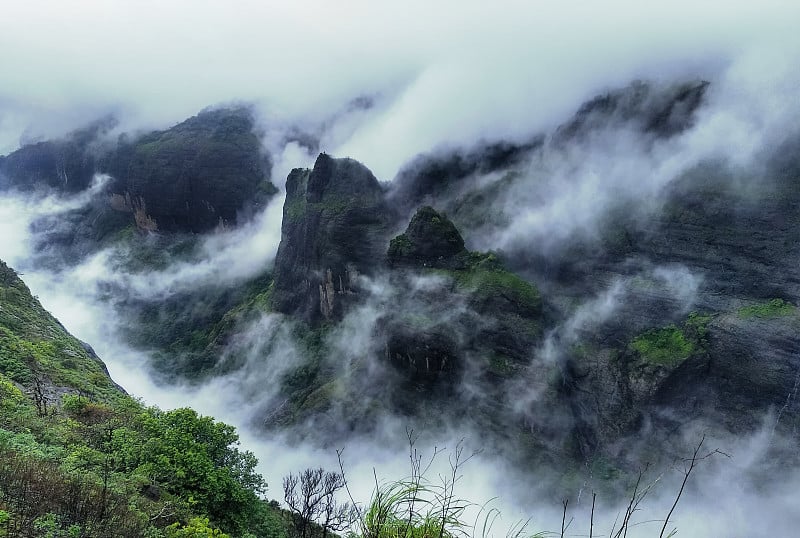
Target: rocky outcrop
(473, 316)
(335, 227)
(431, 240)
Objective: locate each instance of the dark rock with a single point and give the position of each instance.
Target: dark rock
(434, 176)
(66, 165)
(663, 112)
(431, 240)
(335, 227)
(205, 172)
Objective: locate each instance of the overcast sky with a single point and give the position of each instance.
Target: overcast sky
(448, 71)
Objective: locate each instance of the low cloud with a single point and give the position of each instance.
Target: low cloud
(451, 75)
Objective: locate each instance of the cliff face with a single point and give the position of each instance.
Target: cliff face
(740, 241)
(206, 172)
(335, 227)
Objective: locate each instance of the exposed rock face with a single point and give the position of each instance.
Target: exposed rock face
(195, 176)
(335, 226)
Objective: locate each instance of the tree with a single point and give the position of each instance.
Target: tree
(196, 528)
(194, 457)
(311, 496)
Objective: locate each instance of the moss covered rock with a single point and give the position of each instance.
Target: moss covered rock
(431, 240)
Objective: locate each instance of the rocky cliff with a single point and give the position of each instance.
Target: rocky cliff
(335, 227)
(66, 165)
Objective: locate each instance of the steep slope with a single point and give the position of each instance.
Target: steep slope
(79, 457)
(38, 353)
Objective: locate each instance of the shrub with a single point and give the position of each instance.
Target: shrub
(774, 308)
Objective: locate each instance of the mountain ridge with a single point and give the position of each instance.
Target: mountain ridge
(564, 344)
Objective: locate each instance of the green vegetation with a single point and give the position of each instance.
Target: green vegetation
(775, 308)
(36, 350)
(120, 468)
(194, 175)
(297, 206)
(431, 240)
(80, 458)
(190, 327)
(668, 346)
(294, 209)
(671, 345)
(400, 247)
(487, 279)
(500, 365)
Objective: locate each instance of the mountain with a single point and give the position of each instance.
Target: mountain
(561, 294)
(335, 225)
(205, 172)
(208, 172)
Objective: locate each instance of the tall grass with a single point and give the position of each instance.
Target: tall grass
(420, 507)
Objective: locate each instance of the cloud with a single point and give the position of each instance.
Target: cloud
(449, 72)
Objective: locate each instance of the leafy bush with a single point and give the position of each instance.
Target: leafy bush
(774, 308)
(666, 347)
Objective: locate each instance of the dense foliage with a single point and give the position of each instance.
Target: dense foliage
(80, 458)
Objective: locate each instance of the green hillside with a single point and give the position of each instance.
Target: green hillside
(81, 458)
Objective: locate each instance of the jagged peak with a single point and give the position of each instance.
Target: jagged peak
(340, 176)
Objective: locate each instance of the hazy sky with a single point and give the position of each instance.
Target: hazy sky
(447, 71)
